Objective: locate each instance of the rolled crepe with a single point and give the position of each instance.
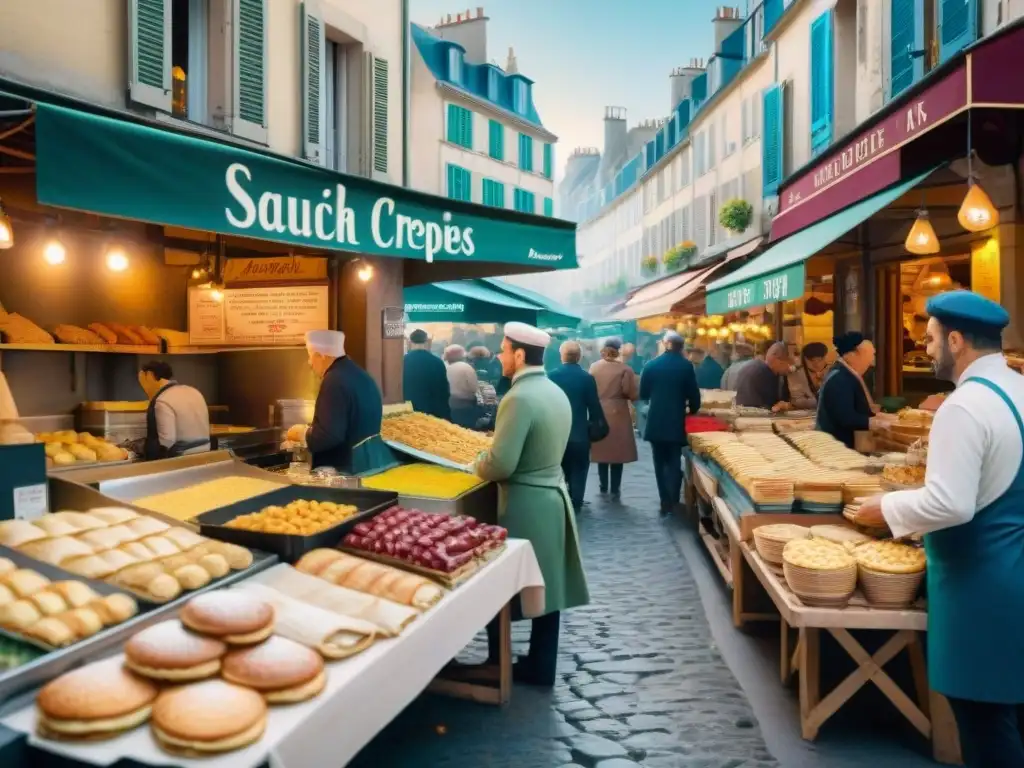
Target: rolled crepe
(334, 636)
(390, 617)
(375, 579)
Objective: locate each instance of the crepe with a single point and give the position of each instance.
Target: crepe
(333, 635)
(390, 617)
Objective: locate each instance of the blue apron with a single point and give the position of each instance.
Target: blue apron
(976, 596)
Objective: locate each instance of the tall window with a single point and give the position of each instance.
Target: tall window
(494, 193)
(460, 183)
(549, 161)
(496, 140)
(336, 90)
(190, 25)
(525, 152)
(493, 84)
(460, 126)
(520, 96)
(455, 65)
(523, 201)
(549, 207)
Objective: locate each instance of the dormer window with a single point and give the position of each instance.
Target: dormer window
(520, 96)
(455, 65)
(493, 84)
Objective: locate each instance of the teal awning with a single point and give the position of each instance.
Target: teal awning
(554, 316)
(133, 170)
(466, 301)
(778, 273)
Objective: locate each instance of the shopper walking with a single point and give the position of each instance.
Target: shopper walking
(588, 421)
(424, 379)
(617, 387)
(669, 385)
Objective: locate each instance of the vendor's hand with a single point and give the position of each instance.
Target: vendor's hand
(876, 408)
(781, 407)
(297, 434)
(870, 513)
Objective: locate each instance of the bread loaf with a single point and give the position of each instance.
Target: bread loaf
(372, 579)
(125, 335)
(103, 332)
(15, 329)
(72, 334)
(144, 333)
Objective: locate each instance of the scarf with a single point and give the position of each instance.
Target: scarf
(867, 394)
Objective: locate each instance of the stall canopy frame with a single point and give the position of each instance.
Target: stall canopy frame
(466, 301)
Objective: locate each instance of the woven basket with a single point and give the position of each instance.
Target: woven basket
(826, 589)
(889, 590)
(770, 547)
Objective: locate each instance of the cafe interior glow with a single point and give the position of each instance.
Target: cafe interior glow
(54, 252)
(922, 240)
(6, 229)
(977, 212)
(117, 259)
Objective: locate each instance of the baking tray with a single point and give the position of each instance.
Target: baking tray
(288, 547)
(480, 502)
(428, 457)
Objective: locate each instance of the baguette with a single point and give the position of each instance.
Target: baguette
(125, 335)
(379, 580)
(72, 334)
(144, 333)
(107, 335)
(15, 329)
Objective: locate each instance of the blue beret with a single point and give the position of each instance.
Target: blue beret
(968, 311)
(614, 342)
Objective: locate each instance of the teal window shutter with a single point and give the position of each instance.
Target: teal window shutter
(524, 201)
(460, 126)
(149, 81)
(249, 117)
(906, 48)
(822, 81)
(549, 206)
(549, 160)
(494, 193)
(455, 64)
(311, 52)
(772, 139)
(958, 26)
(525, 152)
(496, 142)
(460, 183)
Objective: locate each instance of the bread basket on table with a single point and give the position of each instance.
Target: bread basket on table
(820, 572)
(890, 572)
(770, 540)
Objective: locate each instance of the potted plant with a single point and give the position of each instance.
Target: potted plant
(735, 215)
(649, 266)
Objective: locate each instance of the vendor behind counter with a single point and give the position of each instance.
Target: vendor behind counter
(177, 420)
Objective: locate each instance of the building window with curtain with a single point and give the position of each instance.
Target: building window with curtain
(525, 152)
(460, 183)
(460, 126)
(336, 106)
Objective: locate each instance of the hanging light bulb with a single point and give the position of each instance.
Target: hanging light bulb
(977, 212)
(365, 273)
(702, 331)
(117, 259)
(6, 229)
(54, 252)
(922, 239)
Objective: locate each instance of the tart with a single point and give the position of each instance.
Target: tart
(890, 557)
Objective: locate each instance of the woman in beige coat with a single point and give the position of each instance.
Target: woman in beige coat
(617, 388)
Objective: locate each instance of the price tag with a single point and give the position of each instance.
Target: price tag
(30, 502)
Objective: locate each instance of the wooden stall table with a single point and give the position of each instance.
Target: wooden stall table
(930, 714)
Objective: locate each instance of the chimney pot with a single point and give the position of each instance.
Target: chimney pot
(449, 19)
(479, 11)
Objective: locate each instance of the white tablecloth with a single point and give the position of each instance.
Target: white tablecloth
(363, 693)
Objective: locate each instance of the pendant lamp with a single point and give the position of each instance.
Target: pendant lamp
(976, 212)
(6, 230)
(922, 240)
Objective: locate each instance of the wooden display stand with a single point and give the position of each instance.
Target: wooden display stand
(482, 683)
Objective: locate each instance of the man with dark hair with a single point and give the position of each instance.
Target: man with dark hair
(581, 389)
(424, 378)
(971, 512)
(177, 419)
(762, 383)
(530, 435)
(669, 384)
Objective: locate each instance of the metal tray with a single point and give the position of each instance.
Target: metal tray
(480, 503)
(290, 548)
(428, 457)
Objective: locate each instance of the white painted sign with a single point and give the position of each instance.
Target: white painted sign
(205, 318)
(258, 316)
(30, 502)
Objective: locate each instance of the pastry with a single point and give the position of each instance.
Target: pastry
(234, 617)
(284, 671)
(63, 459)
(6, 566)
(108, 452)
(108, 538)
(56, 551)
(208, 717)
(83, 622)
(15, 329)
(125, 335)
(107, 335)
(138, 550)
(239, 558)
(6, 596)
(168, 651)
(24, 582)
(50, 631)
(117, 559)
(113, 515)
(19, 614)
(144, 333)
(149, 579)
(146, 526)
(817, 555)
(82, 453)
(79, 520)
(215, 565)
(99, 700)
(49, 603)
(839, 534)
(113, 609)
(180, 560)
(372, 578)
(14, 533)
(55, 526)
(298, 518)
(317, 560)
(890, 557)
(88, 567)
(163, 588)
(75, 593)
(161, 546)
(72, 334)
(191, 576)
(184, 538)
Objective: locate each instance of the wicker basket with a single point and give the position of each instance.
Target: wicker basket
(825, 589)
(889, 590)
(769, 546)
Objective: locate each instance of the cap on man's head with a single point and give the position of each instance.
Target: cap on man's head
(968, 312)
(848, 342)
(521, 333)
(419, 336)
(671, 337)
(329, 343)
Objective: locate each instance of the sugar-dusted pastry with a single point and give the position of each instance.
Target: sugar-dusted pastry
(51, 631)
(24, 582)
(146, 526)
(168, 651)
(235, 617)
(284, 671)
(113, 609)
(14, 533)
(208, 717)
(114, 515)
(75, 593)
(48, 602)
(19, 614)
(56, 551)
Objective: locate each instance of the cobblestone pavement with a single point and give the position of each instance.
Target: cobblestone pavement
(640, 680)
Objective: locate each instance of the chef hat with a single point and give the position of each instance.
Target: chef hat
(329, 343)
(419, 336)
(968, 312)
(521, 333)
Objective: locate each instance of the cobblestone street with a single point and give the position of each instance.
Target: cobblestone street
(641, 682)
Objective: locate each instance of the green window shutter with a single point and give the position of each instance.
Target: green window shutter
(497, 140)
(249, 116)
(460, 126)
(524, 201)
(772, 139)
(822, 81)
(549, 160)
(907, 29)
(460, 183)
(311, 52)
(494, 193)
(958, 26)
(525, 152)
(380, 115)
(149, 38)
(549, 206)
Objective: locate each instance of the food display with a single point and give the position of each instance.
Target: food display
(752, 424)
(193, 500)
(819, 572)
(754, 473)
(281, 670)
(840, 534)
(371, 578)
(906, 474)
(891, 557)
(297, 518)
(434, 436)
(140, 554)
(234, 617)
(15, 329)
(424, 480)
(823, 449)
(436, 542)
(716, 399)
(67, 448)
(702, 443)
(890, 572)
(208, 717)
(770, 540)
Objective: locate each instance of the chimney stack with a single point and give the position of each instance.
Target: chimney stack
(681, 80)
(727, 20)
(469, 31)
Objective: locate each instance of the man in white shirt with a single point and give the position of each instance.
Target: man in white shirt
(177, 419)
(971, 511)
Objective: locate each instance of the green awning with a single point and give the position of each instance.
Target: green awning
(466, 301)
(554, 316)
(132, 170)
(778, 273)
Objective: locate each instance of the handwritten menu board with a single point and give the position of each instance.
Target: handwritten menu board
(257, 315)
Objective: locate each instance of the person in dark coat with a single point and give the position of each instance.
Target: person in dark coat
(669, 384)
(424, 378)
(710, 372)
(345, 433)
(483, 363)
(552, 359)
(762, 383)
(581, 389)
(844, 403)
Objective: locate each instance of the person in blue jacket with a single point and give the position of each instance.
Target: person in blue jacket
(669, 385)
(581, 389)
(424, 378)
(845, 406)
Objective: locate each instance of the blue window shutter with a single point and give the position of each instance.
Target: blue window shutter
(958, 26)
(496, 141)
(460, 126)
(772, 139)
(525, 152)
(549, 207)
(822, 80)
(907, 27)
(548, 160)
(460, 183)
(494, 193)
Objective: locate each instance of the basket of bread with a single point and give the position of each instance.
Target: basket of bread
(820, 572)
(770, 540)
(890, 572)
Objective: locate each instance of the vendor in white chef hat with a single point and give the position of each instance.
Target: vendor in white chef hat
(345, 433)
(971, 512)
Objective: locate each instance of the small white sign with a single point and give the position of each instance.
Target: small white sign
(30, 502)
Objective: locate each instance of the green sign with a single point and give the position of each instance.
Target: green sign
(625, 330)
(782, 285)
(102, 165)
(465, 301)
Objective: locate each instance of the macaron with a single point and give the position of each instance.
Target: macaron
(168, 651)
(283, 671)
(97, 701)
(208, 717)
(231, 616)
